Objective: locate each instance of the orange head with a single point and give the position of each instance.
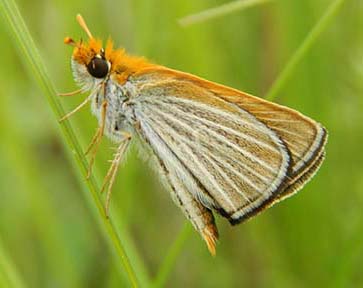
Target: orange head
(91, 62)
(90, 55)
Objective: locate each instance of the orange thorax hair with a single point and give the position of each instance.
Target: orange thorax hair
(122, 64)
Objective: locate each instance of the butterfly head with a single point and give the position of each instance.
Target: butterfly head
(91, 56)
(93, 63)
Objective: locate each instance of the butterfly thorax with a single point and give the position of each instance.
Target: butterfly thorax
(119, 114)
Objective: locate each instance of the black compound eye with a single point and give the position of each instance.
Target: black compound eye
(98, 67)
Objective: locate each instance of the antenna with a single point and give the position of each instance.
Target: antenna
(70, 41)
(83, 25)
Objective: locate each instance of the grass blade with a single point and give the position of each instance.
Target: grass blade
(26, 165)
(32, 60)
(303, 49)
(9, 277)
(219, 11)
(170, 258)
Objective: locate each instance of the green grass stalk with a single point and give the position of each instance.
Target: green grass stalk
(32, 60)
(219, 11)
(303, 49)
(9, 276)
(170, 259)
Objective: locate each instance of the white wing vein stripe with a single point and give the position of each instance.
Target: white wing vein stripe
(201, 168)
(210, 178)
(223, 139)
(172, 163)
(243, 177)
(228, 166)
(227, 129)
(229, 181)
(205, 155)
(260, 128)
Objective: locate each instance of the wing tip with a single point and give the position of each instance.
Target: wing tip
(210, 236)
(287, 190)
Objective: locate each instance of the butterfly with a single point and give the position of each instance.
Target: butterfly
(216, 148)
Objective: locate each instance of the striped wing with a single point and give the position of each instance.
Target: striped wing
(243, 152)
(238, 161)
(304, 138)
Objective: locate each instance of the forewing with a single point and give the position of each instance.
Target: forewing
(241, 163)
(303, 137)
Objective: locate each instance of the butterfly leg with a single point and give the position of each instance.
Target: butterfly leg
(93, 141)
(79, 107)
(112, 171)
(96, 140)
(76, 92)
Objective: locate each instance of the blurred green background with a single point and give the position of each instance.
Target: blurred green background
(48, 233)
